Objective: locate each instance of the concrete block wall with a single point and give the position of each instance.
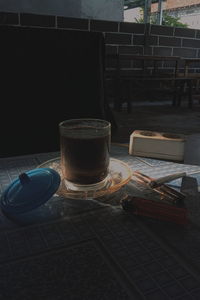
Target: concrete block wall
(90, 9)
(121, 37)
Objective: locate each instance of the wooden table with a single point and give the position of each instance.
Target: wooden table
(123, 76)
(150, 58)
(195, 77)
(187, 62)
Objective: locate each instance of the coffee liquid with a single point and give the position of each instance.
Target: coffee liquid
(85, 160)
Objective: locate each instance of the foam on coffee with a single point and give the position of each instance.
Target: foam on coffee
(85, 132)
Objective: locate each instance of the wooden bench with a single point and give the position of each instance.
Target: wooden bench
(131, 73)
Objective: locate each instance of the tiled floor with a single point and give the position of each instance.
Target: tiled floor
(157, 116)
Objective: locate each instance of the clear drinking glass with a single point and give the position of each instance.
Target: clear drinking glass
(85, 145)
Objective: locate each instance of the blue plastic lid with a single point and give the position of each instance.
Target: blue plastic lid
(29, 191)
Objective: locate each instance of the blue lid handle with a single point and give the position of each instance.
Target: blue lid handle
(24, 178)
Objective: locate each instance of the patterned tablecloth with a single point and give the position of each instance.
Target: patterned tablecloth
(78, 249)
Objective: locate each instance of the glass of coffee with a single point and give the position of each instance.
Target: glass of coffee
(85, 145)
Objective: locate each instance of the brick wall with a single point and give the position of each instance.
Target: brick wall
(175, 4)
(122, 37)
(172, 4)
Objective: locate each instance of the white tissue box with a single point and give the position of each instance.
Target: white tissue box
(157, 144)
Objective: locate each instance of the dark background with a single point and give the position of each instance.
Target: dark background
(47, 76)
